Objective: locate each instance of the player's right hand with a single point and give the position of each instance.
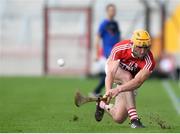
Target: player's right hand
(107, 93)
(105, 96)
(108, 98)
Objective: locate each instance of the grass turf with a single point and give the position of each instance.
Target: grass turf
(175, 87)
(46, 104)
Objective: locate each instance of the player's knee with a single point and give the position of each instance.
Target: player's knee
(118, 119)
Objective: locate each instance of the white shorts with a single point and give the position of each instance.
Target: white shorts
(99, 66)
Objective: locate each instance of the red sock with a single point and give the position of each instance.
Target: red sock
(132, 113)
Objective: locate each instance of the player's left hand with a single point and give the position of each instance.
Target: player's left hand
(113, 92)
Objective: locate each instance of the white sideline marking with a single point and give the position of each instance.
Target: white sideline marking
(172, 95)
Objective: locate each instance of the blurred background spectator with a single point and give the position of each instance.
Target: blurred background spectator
(109, 34)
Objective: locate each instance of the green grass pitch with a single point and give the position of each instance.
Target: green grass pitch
(46, 104)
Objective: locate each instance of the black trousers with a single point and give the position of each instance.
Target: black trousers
(101, 84)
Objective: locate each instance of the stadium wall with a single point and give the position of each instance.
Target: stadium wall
(22, 29)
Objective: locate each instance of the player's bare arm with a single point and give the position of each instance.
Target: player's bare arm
(131, 85)
(139, 79)
(112, 67)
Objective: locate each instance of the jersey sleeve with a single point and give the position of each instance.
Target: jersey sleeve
(149, 62)
(101, 29)
(116, 53)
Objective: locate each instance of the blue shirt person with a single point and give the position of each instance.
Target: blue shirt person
(109, 34)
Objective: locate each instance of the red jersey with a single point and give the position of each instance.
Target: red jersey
(123, 51)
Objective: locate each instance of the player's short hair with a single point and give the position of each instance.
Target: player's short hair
(110, 5)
